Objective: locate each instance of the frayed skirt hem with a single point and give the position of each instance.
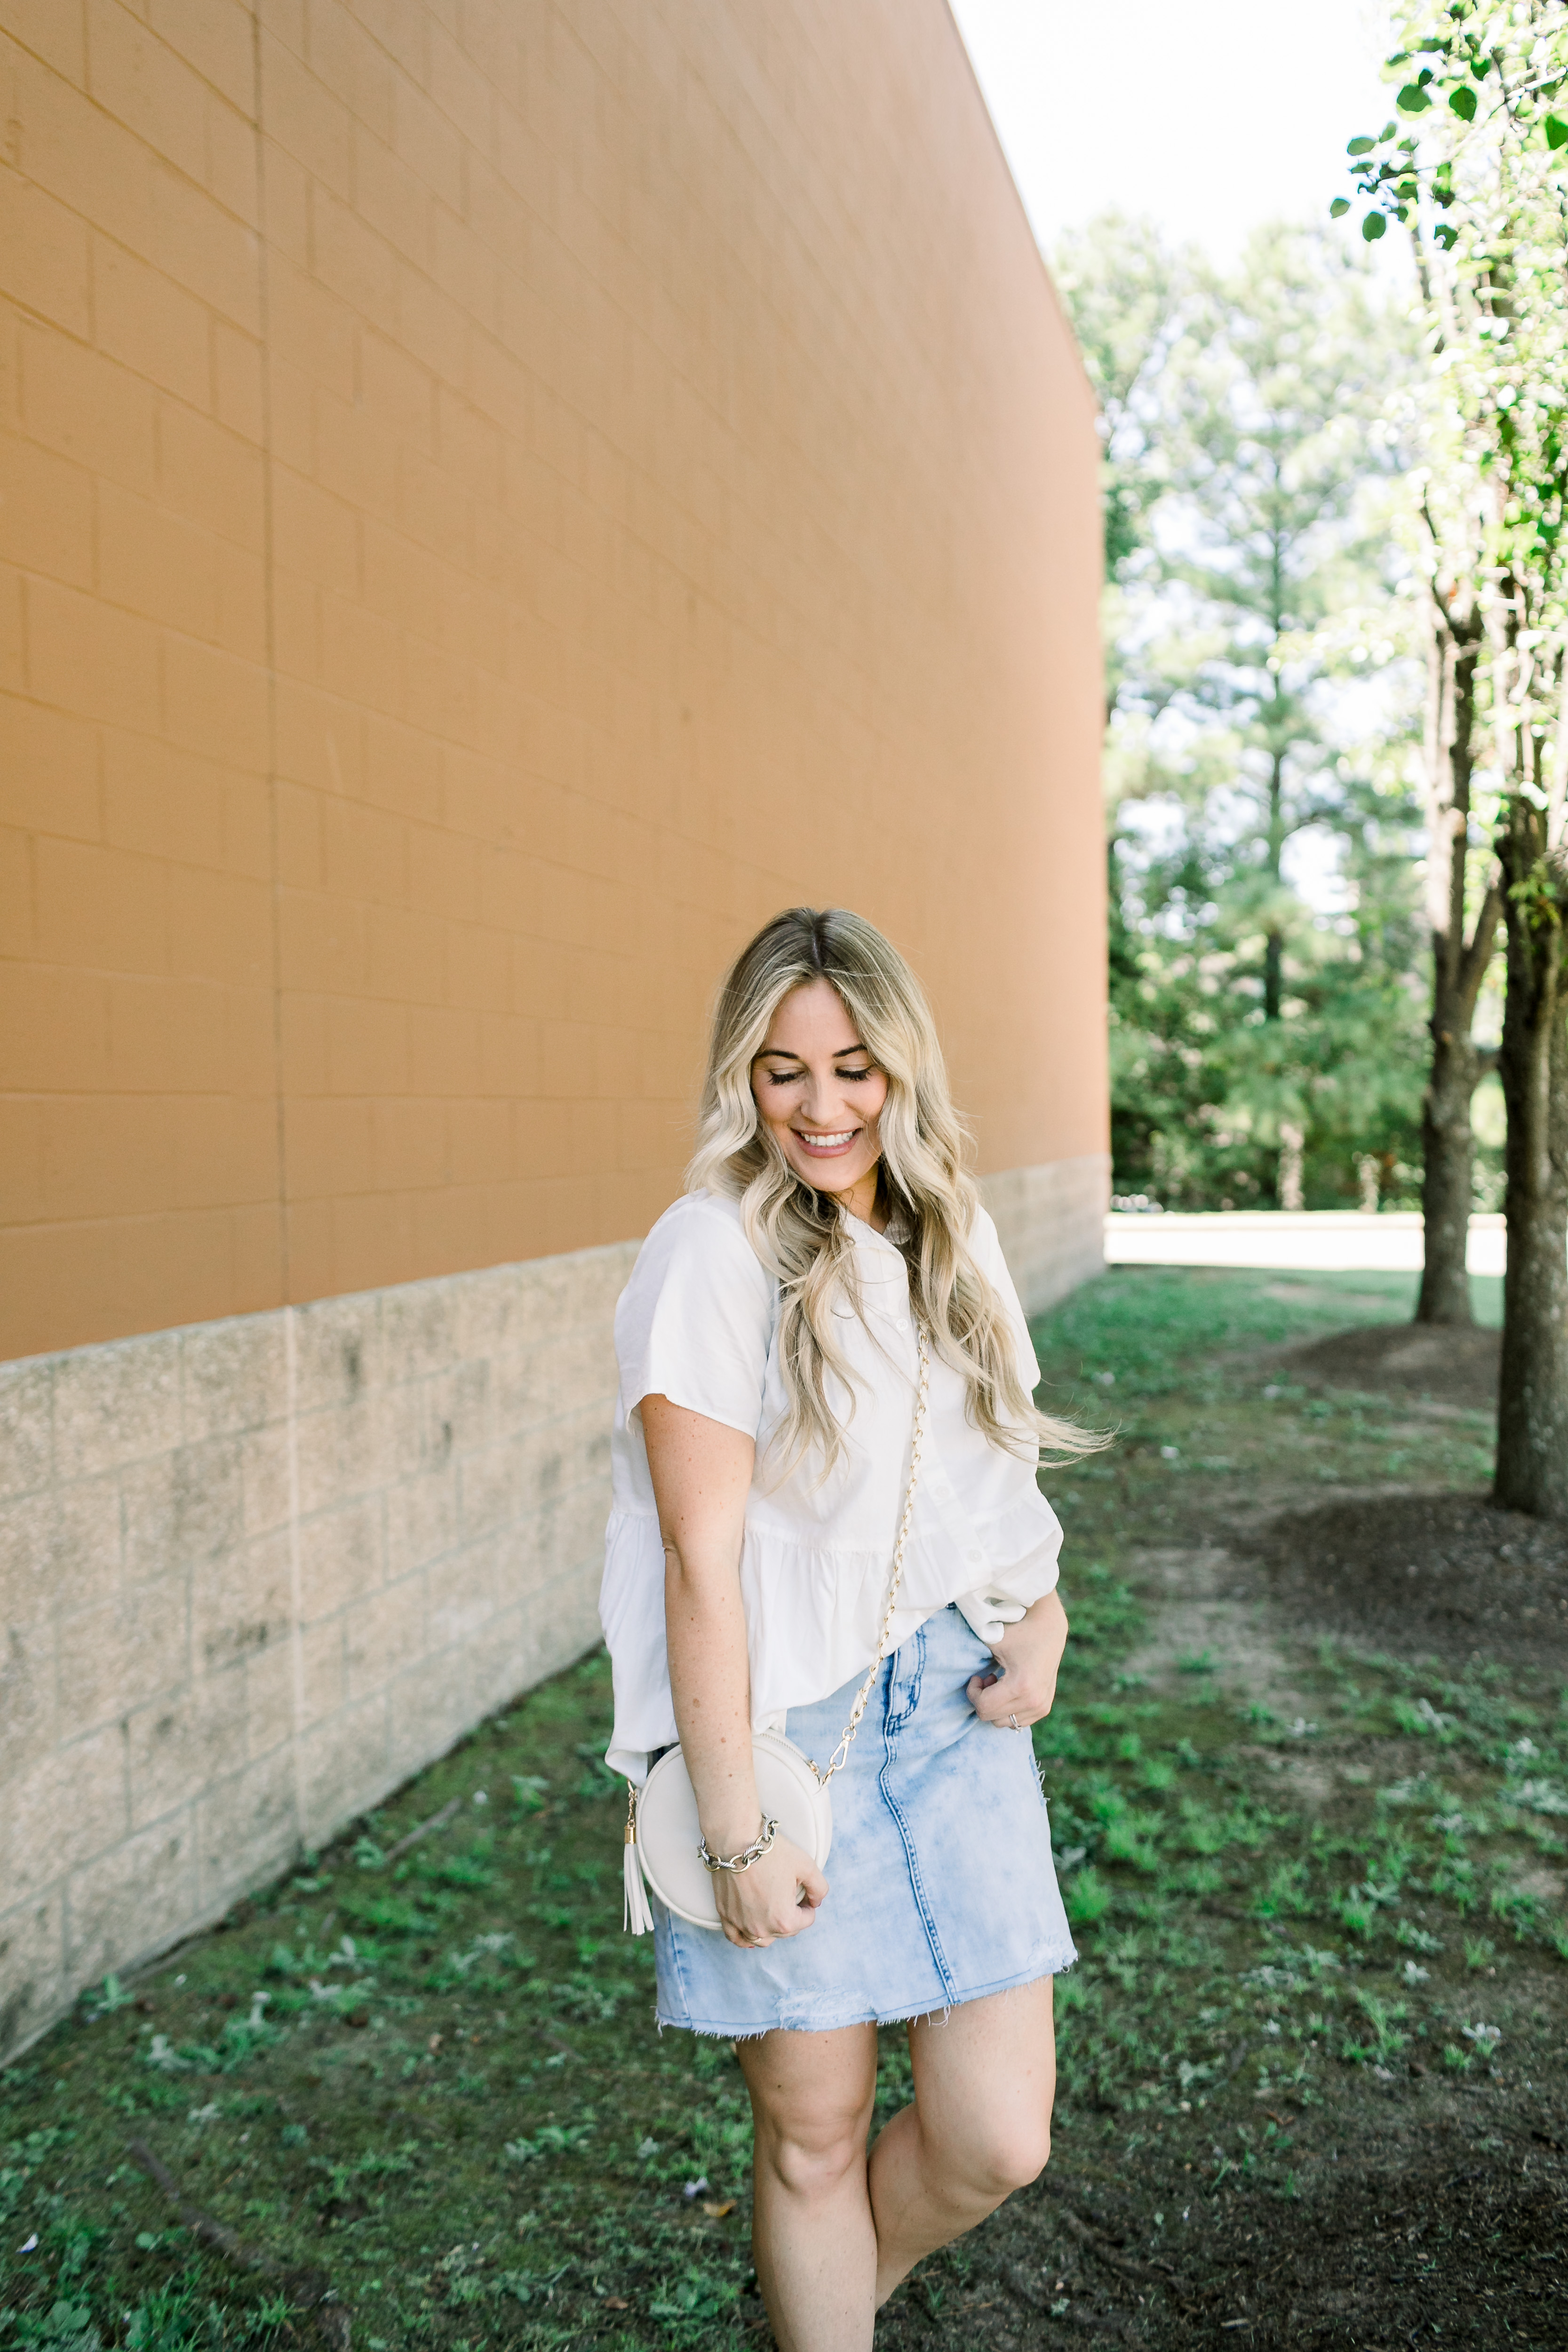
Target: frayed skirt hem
(753, 2032)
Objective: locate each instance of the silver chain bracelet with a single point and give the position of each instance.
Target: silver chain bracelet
(747, 1855)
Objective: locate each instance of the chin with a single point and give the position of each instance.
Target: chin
(834, 1175)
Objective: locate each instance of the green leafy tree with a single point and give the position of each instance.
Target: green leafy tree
(1281, 403)
(1474, 166)
(1207, 1089)
(1261, 1041)
(1132, 298)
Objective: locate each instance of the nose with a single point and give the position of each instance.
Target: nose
(823, 1106)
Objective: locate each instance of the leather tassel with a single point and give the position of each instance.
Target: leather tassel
(637, 1914)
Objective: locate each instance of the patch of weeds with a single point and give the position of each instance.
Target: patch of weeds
(65, 2326)
(1386, 2020)
(551, 2139)
(686, 2303)
(1088, 1898)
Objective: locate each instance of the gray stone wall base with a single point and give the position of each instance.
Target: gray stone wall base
(256, 1574)
(1051, 1221)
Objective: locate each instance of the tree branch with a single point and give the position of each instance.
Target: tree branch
(1477, 955)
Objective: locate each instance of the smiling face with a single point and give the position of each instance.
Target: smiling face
(819, 1093)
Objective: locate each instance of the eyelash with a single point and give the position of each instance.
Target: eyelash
(793, 1077)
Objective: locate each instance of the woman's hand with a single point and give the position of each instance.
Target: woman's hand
(777, 1896)
(1028, 1655)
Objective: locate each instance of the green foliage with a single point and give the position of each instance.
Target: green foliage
(1480, 182)
(1256, 628)
(64, 2327)
(1131, 299)
(1487, 182)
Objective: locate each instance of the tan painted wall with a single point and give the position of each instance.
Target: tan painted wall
(495, 499)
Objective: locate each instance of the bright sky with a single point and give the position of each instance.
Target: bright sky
(1212, 115)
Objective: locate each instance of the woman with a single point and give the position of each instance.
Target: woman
(769, 1350)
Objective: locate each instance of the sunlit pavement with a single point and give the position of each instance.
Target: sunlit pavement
(1316, 1241)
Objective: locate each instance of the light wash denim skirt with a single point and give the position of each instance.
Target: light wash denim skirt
(940, 1883)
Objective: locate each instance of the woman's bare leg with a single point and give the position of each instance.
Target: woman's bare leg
(812, 2234)
(980, 2127)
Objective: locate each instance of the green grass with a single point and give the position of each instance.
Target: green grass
(435, 2079)
(1151, 1326)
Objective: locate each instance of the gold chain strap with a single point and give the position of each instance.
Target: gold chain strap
(841, 1753)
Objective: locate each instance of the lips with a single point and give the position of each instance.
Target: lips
(826, 1147)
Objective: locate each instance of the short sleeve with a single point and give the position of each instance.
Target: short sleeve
(695, 1321)
(985, 1243)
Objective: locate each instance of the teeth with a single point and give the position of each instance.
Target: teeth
(825, 1143)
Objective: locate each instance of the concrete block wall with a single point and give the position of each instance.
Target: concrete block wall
(497, 497)
(1051, 1223)
(255, 1573)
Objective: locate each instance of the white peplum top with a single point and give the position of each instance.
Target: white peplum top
(697, 1323)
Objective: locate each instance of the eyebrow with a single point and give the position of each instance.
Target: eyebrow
(784, 1054)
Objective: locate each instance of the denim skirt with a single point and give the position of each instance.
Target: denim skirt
(940, 1883)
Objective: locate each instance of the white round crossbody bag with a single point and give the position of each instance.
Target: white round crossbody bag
(664, 1837)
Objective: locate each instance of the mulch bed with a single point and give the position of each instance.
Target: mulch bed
(1422, 1574)
(1456, 1367)
(1450, 2245)
(1421, 2237)
(1465, 2252)
(1417, 1574)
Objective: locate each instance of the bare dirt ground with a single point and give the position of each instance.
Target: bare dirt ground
(1454, 1368)
(1447, 1574)
(1424, 2207)
(1418, 1575)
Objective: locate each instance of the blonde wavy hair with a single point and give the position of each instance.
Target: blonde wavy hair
(798, 1232)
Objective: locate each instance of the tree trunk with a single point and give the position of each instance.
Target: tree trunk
(1458, 966)
(1532, 1394)
(1448, 1151)
(1291, 1141)
(1273, 937)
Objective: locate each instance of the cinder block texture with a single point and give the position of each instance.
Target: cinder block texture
(495, 500)
(255, 1573)
(1051, 1223)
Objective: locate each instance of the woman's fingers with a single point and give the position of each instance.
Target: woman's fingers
(1000, 1698)
(778, 1895)
(812, 1885)
(1022, 1687)
(984, 1693)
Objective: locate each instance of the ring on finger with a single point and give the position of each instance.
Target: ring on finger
(1014, 1723)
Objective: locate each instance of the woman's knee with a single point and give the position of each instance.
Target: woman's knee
(811, 2102)
(813, 2167)
(809, 2148)
(1003, 2153)
(1022, 2154)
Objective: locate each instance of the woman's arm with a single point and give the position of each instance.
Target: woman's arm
(1028, 1658)
(701, 1475)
